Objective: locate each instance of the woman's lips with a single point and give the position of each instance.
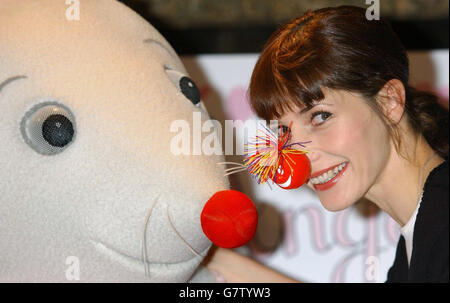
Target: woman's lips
(316, 174)
(332, 182)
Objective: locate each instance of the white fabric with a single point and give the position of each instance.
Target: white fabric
(408, 231)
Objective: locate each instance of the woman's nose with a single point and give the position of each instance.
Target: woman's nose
(313, 155)
(307, 144)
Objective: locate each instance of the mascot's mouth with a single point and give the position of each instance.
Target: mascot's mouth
(143, 266)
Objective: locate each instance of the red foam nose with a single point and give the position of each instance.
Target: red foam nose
(229, 219)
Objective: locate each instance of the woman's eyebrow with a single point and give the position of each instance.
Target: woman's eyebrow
(308, 108)
(153, 41)
(11, 79)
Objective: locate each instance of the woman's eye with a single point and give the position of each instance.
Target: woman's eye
(48, 128)
(279, 129)
(185, 85)
(318, 118)
(284, 129)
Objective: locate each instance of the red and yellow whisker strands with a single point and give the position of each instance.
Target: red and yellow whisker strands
(264, 153)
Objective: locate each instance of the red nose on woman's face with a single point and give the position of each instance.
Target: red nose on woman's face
(229, 219)
(294, 170)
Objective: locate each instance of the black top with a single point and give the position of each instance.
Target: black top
(429, 258)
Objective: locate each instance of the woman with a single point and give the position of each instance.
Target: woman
(342, 81)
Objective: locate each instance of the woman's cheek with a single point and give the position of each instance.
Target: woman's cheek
(336, 139)
(358, 133)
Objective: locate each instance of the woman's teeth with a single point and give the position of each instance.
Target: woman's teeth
(327, 176)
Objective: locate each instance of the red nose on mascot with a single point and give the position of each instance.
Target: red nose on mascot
(229, 219)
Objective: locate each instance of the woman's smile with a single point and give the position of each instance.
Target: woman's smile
(325, 179)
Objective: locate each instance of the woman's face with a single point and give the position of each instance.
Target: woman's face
(349, 149)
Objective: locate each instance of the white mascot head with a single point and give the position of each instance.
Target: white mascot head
(89, 187)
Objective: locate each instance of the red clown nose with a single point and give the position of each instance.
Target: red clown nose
(294, 171)
(229, 219)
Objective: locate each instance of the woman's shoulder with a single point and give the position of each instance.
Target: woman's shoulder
(438, 176)
(435, 199)
(429, 261)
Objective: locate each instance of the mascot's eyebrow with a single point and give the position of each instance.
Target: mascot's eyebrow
(153, 41)
(9, 80)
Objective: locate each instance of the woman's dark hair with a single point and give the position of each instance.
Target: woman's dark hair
(339, 48)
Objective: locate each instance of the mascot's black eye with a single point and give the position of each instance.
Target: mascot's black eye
(190, 90)
(57, 130)
(48, 128)
(185, 85)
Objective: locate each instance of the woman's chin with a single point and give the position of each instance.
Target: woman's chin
(334, 205)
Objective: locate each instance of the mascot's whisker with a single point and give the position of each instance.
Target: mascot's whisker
(144, 239)
(238, 168)
(231, 163)
(179, 236)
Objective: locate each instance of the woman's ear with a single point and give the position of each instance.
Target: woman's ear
(392, 99)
